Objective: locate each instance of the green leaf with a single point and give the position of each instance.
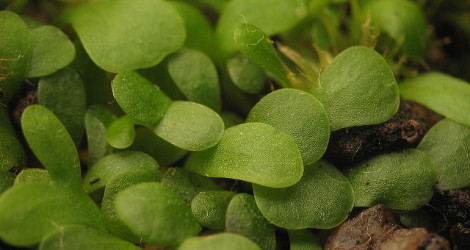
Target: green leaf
(196, 76)
(106, 168)
(97, 120)
(442, 93)
(139, 98)
(447, 143)
(116, 184)
(231, 119)
(272, 16)
(41, 208)
(63, 93)
(399, 180)
(148, 142)
(229, 241)
(322, 199)
(209, 208)
(156, 213)
(358, 88)
(123, 35)
(33, 176)
(11, 150)
(51, 50)
(404, 21)
(14, 53)
(303, 240)
(257, 46)
(121, 133)
(190, 126)
(187, 184)
(6, 181)
(246, 75)
(52, 145)
(253, 152)
(244, 217)
(77, 237)
(299, 115)
(421, 218)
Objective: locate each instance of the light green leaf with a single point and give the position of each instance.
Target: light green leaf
(106, 168)
(442, 93)
(123, 35)
(52, 145)
(33, 176)
(41, 208)
(244, 217)
(14, 53)
(156, 213)
(253, 152)
(257, 46)
(229, 241)
(299, 115)
(190, 126)
(447, 143)
(78, 237)
(6, 181)
(399, 180)
(11, 150)
(97, 120)
(196, 76)
(139, 98)
(358, 88)
(51, 50)
(322, 199)
(209, 208)
(303, 240)
(246, 75)
(63, 93)
(121, 133)
(272, 16)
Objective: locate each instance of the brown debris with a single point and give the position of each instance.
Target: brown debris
(30, 98)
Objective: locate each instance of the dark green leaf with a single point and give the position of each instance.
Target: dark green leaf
(121, 133)
(6, 181)
(11, 151)
(97, 120)
(231, 119)
(228, 241)
(246, 75)
(303, 240)
(209, 208)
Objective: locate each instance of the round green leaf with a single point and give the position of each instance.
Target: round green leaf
(447, 143)
(244, 217)
(51, 50)
(124, 35)
(156, 213)
(358, 88)
(34, 176)
(246, 75)
(196, 76)
(121, 133)
(63, 93)
(303, 240)
(229, 241)
(209, 208)
(78, 237)
(11, 150)
(322, 199)
(52, 145)
(15, 47)
(254, 152)
(442, 93)
(139, 98)
(299, 115)
(41, 208)
(399, 180)
(190, 126)
(106, 168)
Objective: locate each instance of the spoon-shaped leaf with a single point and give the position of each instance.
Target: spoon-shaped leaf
(303, 240)
(156, 213)
(139, 98)
(52, 145)
(117, 35)
(51, 50)
(358, 88)
(12, 152)
(97, 120)
(229, 241)
(190, 126)
(399, 180)
(254, 152)
(34, 176)
(323, 199)
(299, 115)
(447, 143)
(196, 76)
(246, 75)
(121, 133)
(209, 208)
(76, 237)
(442, 93)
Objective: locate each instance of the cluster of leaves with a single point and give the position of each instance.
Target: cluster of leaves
(152, 158)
